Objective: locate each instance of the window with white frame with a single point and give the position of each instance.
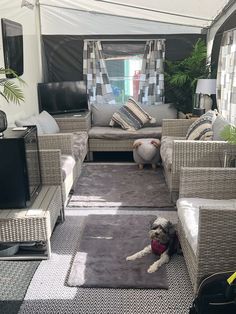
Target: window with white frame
(123, 63)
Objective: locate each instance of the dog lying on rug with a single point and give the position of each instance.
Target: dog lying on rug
(163, 243)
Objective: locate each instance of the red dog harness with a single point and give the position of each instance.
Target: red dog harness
(157, 247)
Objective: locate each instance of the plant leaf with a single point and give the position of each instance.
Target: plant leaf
(229, 134)
(13, 92)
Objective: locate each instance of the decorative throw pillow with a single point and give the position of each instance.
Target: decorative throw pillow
(201, 129)
(218, 126)
(30, 121)
(131, 116)
(47, 123)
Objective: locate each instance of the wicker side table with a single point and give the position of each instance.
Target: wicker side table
(34, 225)
(72, 122)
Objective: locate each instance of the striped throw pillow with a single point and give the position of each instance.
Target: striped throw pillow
(201, 129)
(131, 116)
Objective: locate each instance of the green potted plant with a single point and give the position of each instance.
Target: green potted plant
(9, 89)
(229, 134)
(181, 77)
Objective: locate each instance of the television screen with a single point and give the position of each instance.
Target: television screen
(12, 36)
(61, 97)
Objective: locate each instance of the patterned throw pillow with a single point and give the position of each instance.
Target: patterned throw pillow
(131, 116)
(201, 129)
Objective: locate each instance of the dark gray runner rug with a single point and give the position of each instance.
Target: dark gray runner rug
(101, 258)
(113, 185)
(15, 278)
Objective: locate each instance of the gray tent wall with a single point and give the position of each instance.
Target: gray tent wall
(63, 54)
(65, 24)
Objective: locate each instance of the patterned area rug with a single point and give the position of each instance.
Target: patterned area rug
(15, 278)
(117, 185)
(101, 258)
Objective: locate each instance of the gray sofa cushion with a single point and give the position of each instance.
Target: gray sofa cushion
(102, 113)
(218, 126)
(30, 121)
(119, 134)
(80, 140)
(167, 149)
(47, 123)
(67, 165)
(160, 112)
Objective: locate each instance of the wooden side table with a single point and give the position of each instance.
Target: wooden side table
(32, 226)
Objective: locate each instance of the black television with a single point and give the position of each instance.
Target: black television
(12, 37)
(63, 97)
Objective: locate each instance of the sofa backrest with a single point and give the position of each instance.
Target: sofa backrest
(102, 113)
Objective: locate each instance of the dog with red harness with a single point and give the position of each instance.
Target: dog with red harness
(163, 243)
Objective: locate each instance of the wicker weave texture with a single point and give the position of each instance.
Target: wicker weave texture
(50, 161)
(188, 153)
(62, 141)
(35, 223)
(216, 224)
(175, 127)
(196, 154)
(205, 182)
(100, 145)
(73, 123)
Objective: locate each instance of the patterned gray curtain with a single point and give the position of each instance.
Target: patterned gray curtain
(226, 77)
(151, 86)
(95, 73)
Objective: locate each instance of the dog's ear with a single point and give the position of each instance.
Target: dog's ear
(156, 143)
(171, 229)
(152, 222)
(137, 144)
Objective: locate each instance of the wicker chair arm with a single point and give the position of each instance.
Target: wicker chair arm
(175, 127)
(216, 239)
(205, 182)
(50, 163)
(196, 154)
(62, 141)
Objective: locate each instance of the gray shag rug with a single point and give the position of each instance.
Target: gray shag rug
(116, 185)
(48, 292)
(101, 258)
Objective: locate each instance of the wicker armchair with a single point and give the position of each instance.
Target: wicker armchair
(187, 153)
(216, 237)
(62, 155)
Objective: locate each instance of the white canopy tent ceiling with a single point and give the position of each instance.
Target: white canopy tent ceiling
(86, 17)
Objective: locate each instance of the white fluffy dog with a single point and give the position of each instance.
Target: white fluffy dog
(163, 243)
(147, 151)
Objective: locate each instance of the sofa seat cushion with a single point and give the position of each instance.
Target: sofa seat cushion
(67, 165)
(167, 149)
(80, 140)
(188, 214)
(120, 134)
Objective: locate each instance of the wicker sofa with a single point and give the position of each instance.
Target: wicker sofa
(63, 149)
(206, 221)
(176, 152)
(102, 137)
(62, 156)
